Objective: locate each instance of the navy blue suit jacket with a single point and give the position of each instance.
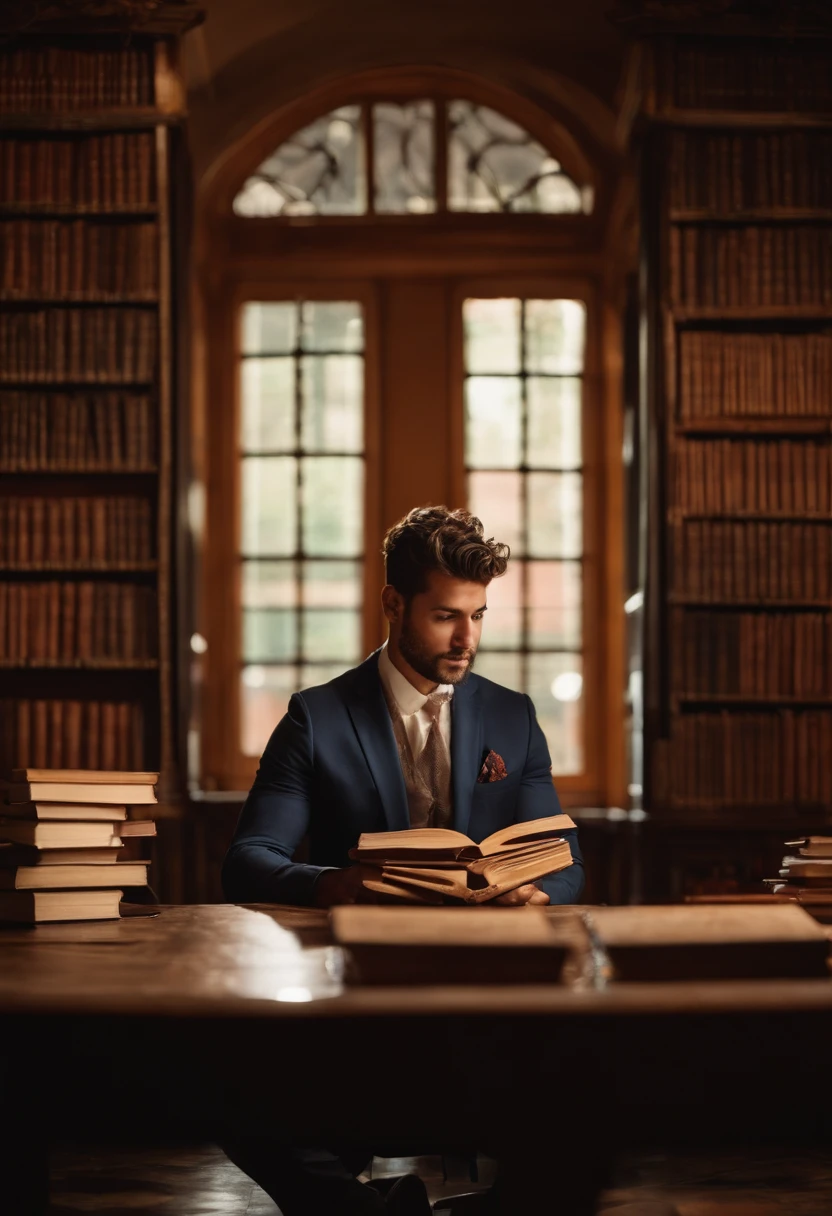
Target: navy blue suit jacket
(331, 771)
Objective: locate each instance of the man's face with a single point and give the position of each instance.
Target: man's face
(440, 628)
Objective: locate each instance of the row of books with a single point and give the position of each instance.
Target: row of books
(61, 840)
(765, 76)
(75, 530)
(93, 431)
(753, 374)
(76, 622)
(752, 475)
(749, 267)
(105, 171)
(748, 759)
(94, 345)
(741, 560)
(805, 876)
(754, 654)
(59, 733)
(78, 259)
(56, 79)
(725, 173)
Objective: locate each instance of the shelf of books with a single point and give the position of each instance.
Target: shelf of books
(741, 268)
(86, 402)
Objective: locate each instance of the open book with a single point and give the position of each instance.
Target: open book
(438, 865)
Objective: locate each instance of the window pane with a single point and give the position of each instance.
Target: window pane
(333, 505)
(555, 333)
(553, 436)
(334, 635)
(333, 403)
(269, 634)
(503, 628)
(404, 156)
(496, 499)
(313, 674)
(555, 514)
(269, 328)
(269, 505)
(554, 604)
(492, 422)
(494, 165)
(555, 684)
(264, 697)
(268, 405)
(333, 326)
(505, 669)
(492, 336)
(332, 585)
(317, 171)
(269, 584)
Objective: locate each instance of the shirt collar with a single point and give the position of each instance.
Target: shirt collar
(408, 699)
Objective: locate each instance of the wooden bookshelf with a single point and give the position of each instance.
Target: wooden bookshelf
(738, 268)
(86, 394)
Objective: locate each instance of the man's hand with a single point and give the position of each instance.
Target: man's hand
(527, 894)
(343, 887)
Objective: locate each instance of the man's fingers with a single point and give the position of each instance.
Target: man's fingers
(539, 897)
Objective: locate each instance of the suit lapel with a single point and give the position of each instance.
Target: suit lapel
(371, 719)
(466, 749)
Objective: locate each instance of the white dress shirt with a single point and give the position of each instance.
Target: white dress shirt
(411, 705)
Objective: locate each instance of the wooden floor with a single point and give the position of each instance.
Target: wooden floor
(201, 1182)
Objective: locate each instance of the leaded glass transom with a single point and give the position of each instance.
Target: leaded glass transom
(411, 157)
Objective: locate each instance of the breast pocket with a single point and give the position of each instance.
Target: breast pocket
(493, 806)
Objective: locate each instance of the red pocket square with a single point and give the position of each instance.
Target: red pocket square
(493, 769)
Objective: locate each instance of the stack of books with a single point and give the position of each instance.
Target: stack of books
(438, 865)
(806, 876)
(61, 836)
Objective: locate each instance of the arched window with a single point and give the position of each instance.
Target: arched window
(411, 158)
(409, 287)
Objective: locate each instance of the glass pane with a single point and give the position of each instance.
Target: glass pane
(317, 171)
(555, 335)
(332, 585)
(313, 674)
(269, 584)
(492, 336)
(334, 326)
(494, 165)
(505, 669)
(404, 168)
(503, 628)
(555, 514)
(332, 417)
(264, 697)
(268, 405)
(269, 634)
(269, 518)
(492, 422)
(554, 604)
(555, 684)
(270, 328)
(333, 505)
(334, 635)
(496, 499)
(553, 436)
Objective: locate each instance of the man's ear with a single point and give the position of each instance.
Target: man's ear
(392, 601)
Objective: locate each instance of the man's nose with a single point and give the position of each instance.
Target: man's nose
(464, 635)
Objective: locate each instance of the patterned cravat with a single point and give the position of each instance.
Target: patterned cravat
(434, 764)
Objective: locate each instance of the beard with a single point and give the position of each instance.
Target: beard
(430, 666)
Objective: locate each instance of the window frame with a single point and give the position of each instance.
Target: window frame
(230, 767)
(555, 287)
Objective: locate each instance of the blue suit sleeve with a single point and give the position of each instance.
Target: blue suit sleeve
(538, 798)
(258, 867)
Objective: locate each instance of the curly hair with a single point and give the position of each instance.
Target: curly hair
(436, 538)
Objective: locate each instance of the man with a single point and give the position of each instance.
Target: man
(349, 756)
(399, 741)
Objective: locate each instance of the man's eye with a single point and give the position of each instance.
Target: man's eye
(445, 618)
(478, 616)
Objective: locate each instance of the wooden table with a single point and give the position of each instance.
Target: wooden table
(211, 1016)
